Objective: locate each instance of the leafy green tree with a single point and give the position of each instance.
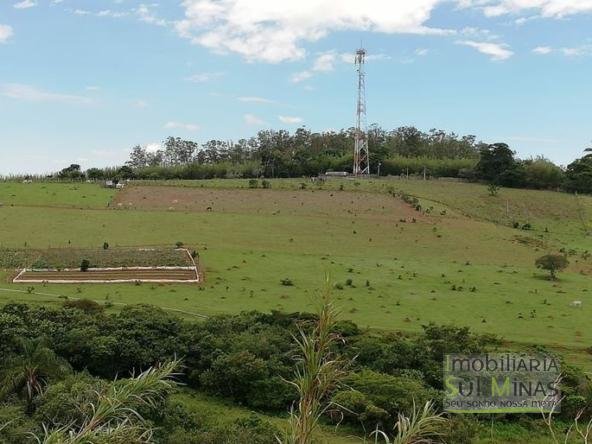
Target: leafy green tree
(578, 176)
(94, 173)
(495, 159)
(72, 172)
(234, 375)
(553, 263)
(27, 373)
(138, 157)
(125, 172)
(541, 173)
(393, 394)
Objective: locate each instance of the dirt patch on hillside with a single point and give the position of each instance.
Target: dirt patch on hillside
(266, 202)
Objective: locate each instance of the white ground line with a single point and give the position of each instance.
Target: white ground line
(105, 281)
(11, 290)
(112, 269)
(18, 279)
(194, 264)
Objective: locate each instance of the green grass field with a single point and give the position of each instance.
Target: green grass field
(462, 264)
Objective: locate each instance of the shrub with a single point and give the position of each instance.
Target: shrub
(287, 282)
(84, 265)
(69, 401)
(542, 174)
(253, 183)
(85, 305)
(493, 189)
(553, 263)
(105, 245)
(266, 184)
(234, 375)
(355, 407)
(179, 244)
(391, 394)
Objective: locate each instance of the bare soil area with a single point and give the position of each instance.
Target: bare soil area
(128, 275)
(272, 202)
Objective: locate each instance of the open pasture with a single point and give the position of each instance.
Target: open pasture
(50, 194)
(272, 251)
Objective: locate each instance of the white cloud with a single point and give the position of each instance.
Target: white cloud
(6, 33)
(32, 94)
(578, 51)
(496, 51)
(290, 120)
(93, 88)
(25, 4)
(546, 8)
(146, 14)
(327, 61)
(182, 126)
(574, 51)
(204, 77)
(274, 31)
(543, 50)
(301, 76)
(251, 119)
(421, 52)
(254, 99)
(112, 14)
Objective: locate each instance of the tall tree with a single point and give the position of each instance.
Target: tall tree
(495, 159)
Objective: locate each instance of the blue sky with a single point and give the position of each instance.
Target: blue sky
(85, 80)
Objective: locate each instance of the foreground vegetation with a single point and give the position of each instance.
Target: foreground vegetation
(59, 363)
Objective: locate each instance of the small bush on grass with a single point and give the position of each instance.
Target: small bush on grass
(493, 189)
(86, 305)
(84, 265)
(287, 282)
(553, 263)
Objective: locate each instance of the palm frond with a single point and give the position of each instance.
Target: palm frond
(317, 373)
(424, 426)
(115, 418)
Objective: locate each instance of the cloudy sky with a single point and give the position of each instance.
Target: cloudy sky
(85, 80)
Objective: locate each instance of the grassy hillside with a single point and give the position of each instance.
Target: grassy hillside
(406, 268)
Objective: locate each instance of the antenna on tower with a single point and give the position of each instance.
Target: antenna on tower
(361, 155)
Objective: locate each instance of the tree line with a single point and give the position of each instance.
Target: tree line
(403, 151)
